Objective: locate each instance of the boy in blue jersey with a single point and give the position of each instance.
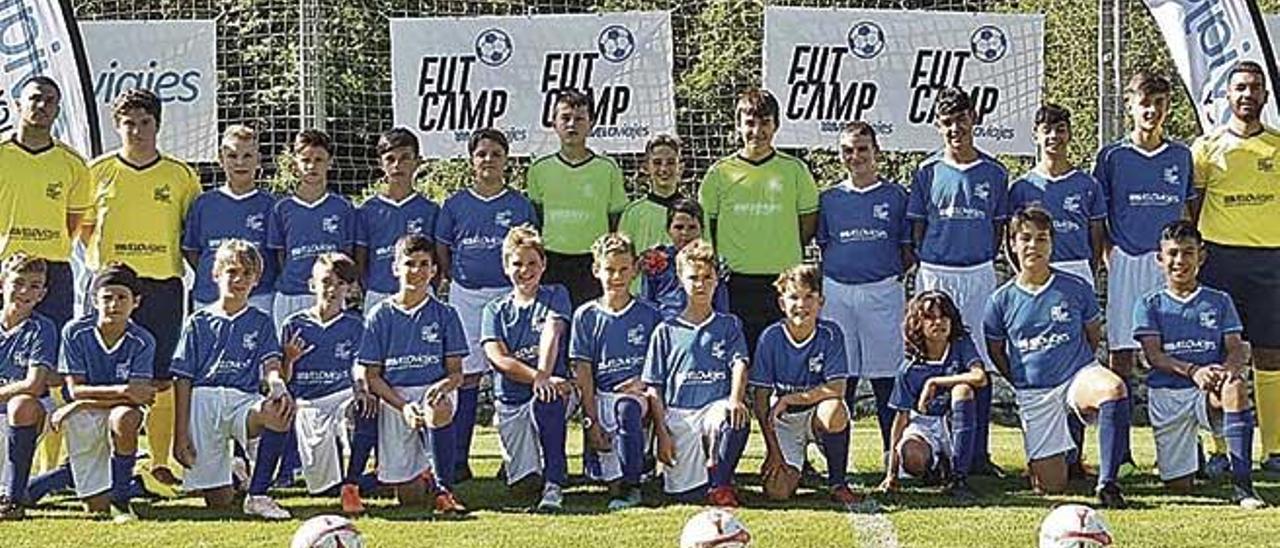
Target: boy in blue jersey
(396, 210)
(607, 349)
(660, 285)
(1146, 181)
(696, 370)
(1191, 336)
(238, 209)
(525, 336)
(1042, 329)
(226, 352)
(798, 380)
(469, 233)
(311, 222)
(939, 376)
(411, 358)
(106, 363)
(959, 204)
(320, 345)
(866, 250)
(28, 355)
(1071, 196)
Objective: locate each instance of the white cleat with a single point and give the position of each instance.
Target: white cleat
(264, 507)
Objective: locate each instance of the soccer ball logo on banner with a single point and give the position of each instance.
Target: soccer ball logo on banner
(866, 40)
(989, 44)
(493, 47)
(616, 43)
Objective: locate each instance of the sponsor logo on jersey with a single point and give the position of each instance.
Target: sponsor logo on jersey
(1071, 203)
(250, 341)
(1209, 319)
(431, 333)
(816, 361)
(1171, 176)
(342, 350)
(1061, 313)
(255, 222)
(329, 224)
(636, 335)
(162, 194)
(53, 190)
(880, 211)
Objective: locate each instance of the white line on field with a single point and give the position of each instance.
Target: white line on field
(871, 527)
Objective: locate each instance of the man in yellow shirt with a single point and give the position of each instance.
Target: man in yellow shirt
(1237, 171)
(140, 200)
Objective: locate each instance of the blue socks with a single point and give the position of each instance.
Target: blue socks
(963, 436)
(835, 447)
(270, 449)
(48, 482)
(730, 443)
(631, 431)
(883, 390)
(464, 420)
(290, 460)
(363, 440)
(1076, 427)
(1237, 428)
(121, 476)
(982, 427)
(22, 449)
(552, 429)
(444, 447)
(1113, 438)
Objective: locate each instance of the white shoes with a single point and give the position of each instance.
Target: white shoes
(552, 499)
(264, 507)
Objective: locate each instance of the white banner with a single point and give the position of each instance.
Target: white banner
(453, 75)
(39, 37)
(177, 61)
(831, 66)
(1206, 38)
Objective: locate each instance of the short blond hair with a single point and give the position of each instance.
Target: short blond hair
(697, 252)
(802, 275)
(237, 252)
(521, 237)
(611, 243)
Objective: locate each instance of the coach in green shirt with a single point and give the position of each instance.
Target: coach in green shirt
(761, 206)
(578, 195)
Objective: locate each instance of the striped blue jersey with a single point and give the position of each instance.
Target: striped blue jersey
(1043, 331)
(519, 327)
(305, 231)
(219, 215)
(788, 366)
(216, 350)
(410, 345)
(862, 231)
(614, 343)
(660, 286)
(31, 343)
(87, 356)
(473, 228)
(1143, 190)
(379, 223)
(1192, 330)
(961, 206)
(961, 357)
(693, 364)
(326, 368)
(1072, 199)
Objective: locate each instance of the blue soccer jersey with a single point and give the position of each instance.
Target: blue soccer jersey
(379, 223)
(614, 343)
(217, 350)
(32, 343)
(693, 364)
(960, 358)
(660, 286)
(1072, 199)
(1191, 330)
(519, 327)
(218, 215)
(412, 345)
(788, 366)
(473, 227)
(1043, 331)
(1143, 191)
(305, 231)
(862, 230)
(326, 368)
(84, 354)
(961, 206)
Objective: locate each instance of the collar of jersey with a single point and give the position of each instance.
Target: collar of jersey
(226, 191)
(501, 193)
(962, 167)
(1188, 298)
(605, 310)
(706, 322)
(408, 311)
(53, 143)
(946, 353)
(11, 332)
(144, 167)
(760, 162)
(97, 336)
(848, 185)
(401, 203)
(591, 155)
(799, 344)
(314, 204)
(216, 311)
(1038, 291)
(309, 316)
(1051, 179)
(1164, 144)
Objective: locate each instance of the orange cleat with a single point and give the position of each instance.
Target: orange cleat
(351, 503)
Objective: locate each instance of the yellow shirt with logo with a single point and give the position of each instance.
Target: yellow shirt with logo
(1239, 180)
(138, 212)
(38, 188)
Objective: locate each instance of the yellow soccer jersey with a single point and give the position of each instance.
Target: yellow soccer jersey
(38, 188)
(1239, 180)
(756, 207)
(138, 212)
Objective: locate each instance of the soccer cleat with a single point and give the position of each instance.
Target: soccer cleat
(809, 476)
(264, 507)
(988, 468)
(123, 513)
(724, 496)
(463, 473)
(155, 486)
(1247, 499)
(1109, 496)
(448, 506)
(630, 498)
(845, 496)
(350, 497)
(1271, 464)
(1079, 471)
(164, 475)
(10, 509)
(429, 479)
(552, 499)
(1217, 466)
(959, 490)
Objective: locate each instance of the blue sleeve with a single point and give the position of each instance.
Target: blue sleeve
(191, 227)
(918, 196)
(1015, 195)
(719, 297)
(1089, 303)
(490, 328)
(1230, 318)
(186, 353)
(836, 365)
(823, 210)
(737, 342)
(270, 346)
(901, 399)
(45, 351)
(1101, 173)
(1097, 206)
(904, 223)
(559, 304)
(993, 320)
(761, 372)
(969, 356)
(1189, 167)
(530, 212)
(143, 365)
(362, 226)
(349, 228)
(70, 362)
(275, 228)
(455, 341)
(1001, 191)
(1146, 319)
(429, 222)
(655, 360)
(444, 225)
(372, 351)
(581, 343)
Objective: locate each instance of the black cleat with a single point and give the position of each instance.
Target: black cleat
(1109, 496)
(958, 489)
(987, 468)
(10, 509)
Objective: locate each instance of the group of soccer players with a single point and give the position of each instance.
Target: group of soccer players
(568, 296)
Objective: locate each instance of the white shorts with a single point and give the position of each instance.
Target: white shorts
(1129, 279)
(970, 287)
(607, 411)
(694, 433)
(285, 305)
(264, 302)
(372, 298)
(88, 434)
(219, 415)
(1177, 415)
(1043, 412)
(518, 438)
(1079, 269)
(321, 427)
(470, 305)
(870, 315)
(403, 452)
(931, 430)
(795, 432)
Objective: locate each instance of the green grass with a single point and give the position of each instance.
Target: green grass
(1007, 515)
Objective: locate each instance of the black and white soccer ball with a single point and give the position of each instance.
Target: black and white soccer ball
(715, 528)
(866, 40)
(493, 47)
(1074, 526)
(989, 44)
(327, 531)
(616, 43)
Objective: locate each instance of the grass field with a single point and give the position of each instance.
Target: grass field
(1006, 516)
